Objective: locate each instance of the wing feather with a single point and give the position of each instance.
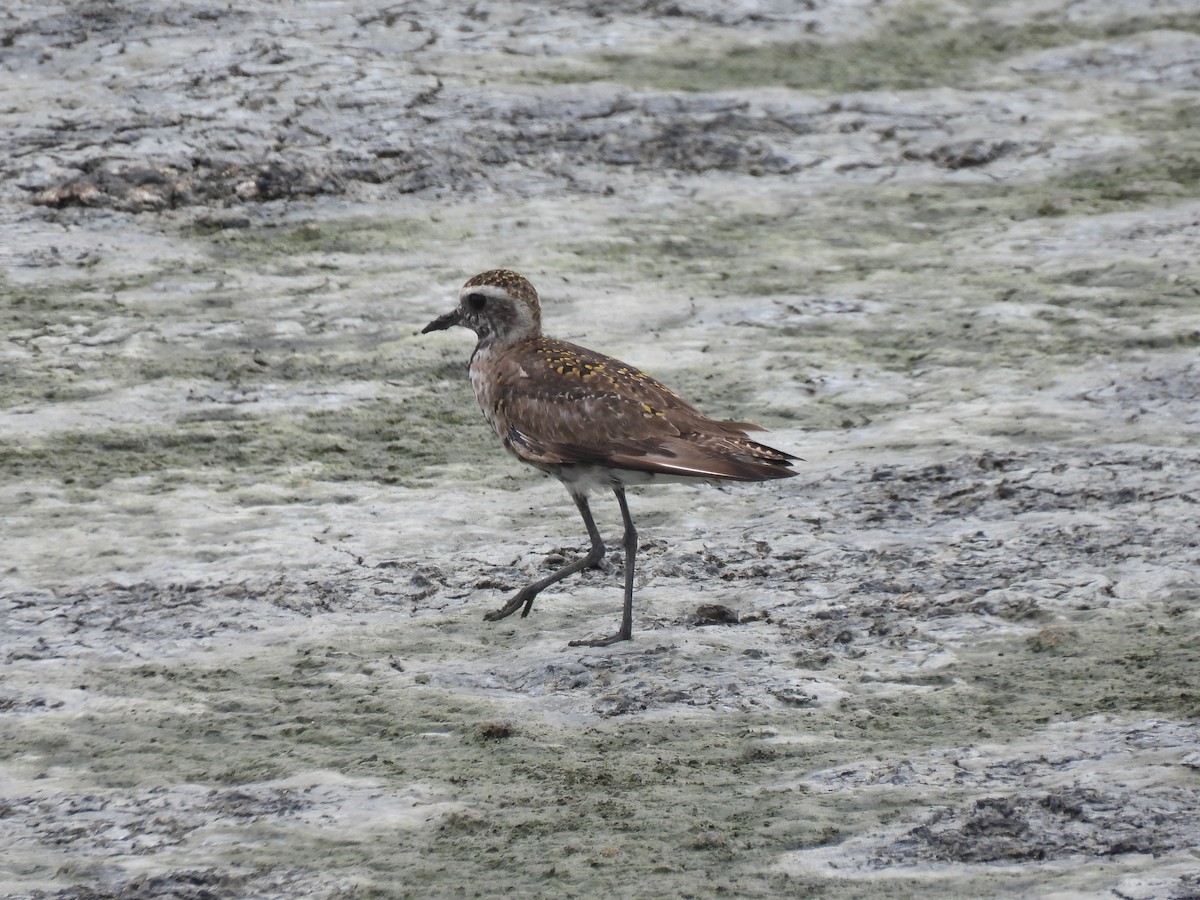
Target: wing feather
(565, 405)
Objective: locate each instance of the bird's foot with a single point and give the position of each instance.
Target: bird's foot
(523, 598)
(603, 642)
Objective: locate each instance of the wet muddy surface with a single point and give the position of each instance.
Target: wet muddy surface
(252, 520)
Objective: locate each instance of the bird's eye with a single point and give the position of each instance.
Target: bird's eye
(476, 301)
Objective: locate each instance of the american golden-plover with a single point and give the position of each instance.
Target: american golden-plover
(591, 421)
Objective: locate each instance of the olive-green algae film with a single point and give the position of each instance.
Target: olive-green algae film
(914, 49)
(890, 241)
(575, 808)
(383, 441)
(425, 426)
(674, 798)
(845, 235)
(914, 302)
(264, 308)
(299, 246)
(226, 386)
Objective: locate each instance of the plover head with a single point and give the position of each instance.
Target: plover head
(499, 305)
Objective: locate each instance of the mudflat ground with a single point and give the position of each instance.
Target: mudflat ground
(251, 521)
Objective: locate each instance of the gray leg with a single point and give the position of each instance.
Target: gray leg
(626, 631)
(524, 597)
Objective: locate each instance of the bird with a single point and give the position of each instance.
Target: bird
(591, 421)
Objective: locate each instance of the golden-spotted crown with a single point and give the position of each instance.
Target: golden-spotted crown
(512, 283)
(500, 306)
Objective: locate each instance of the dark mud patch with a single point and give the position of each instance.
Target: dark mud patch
(1098, 791)
(1073, 822)
(429, 132)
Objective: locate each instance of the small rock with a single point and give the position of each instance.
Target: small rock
(493, 731)
(713, 614)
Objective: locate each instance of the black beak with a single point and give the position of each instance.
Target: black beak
(441, 323)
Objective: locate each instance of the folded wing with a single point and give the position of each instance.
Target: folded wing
(611, 414)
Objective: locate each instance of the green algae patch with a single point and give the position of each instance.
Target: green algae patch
(885, 278)
(577, 808)
(452, 786)
(1137, 662)
(381, 441)
(322, 245)
(265, 305)
(913, 50)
